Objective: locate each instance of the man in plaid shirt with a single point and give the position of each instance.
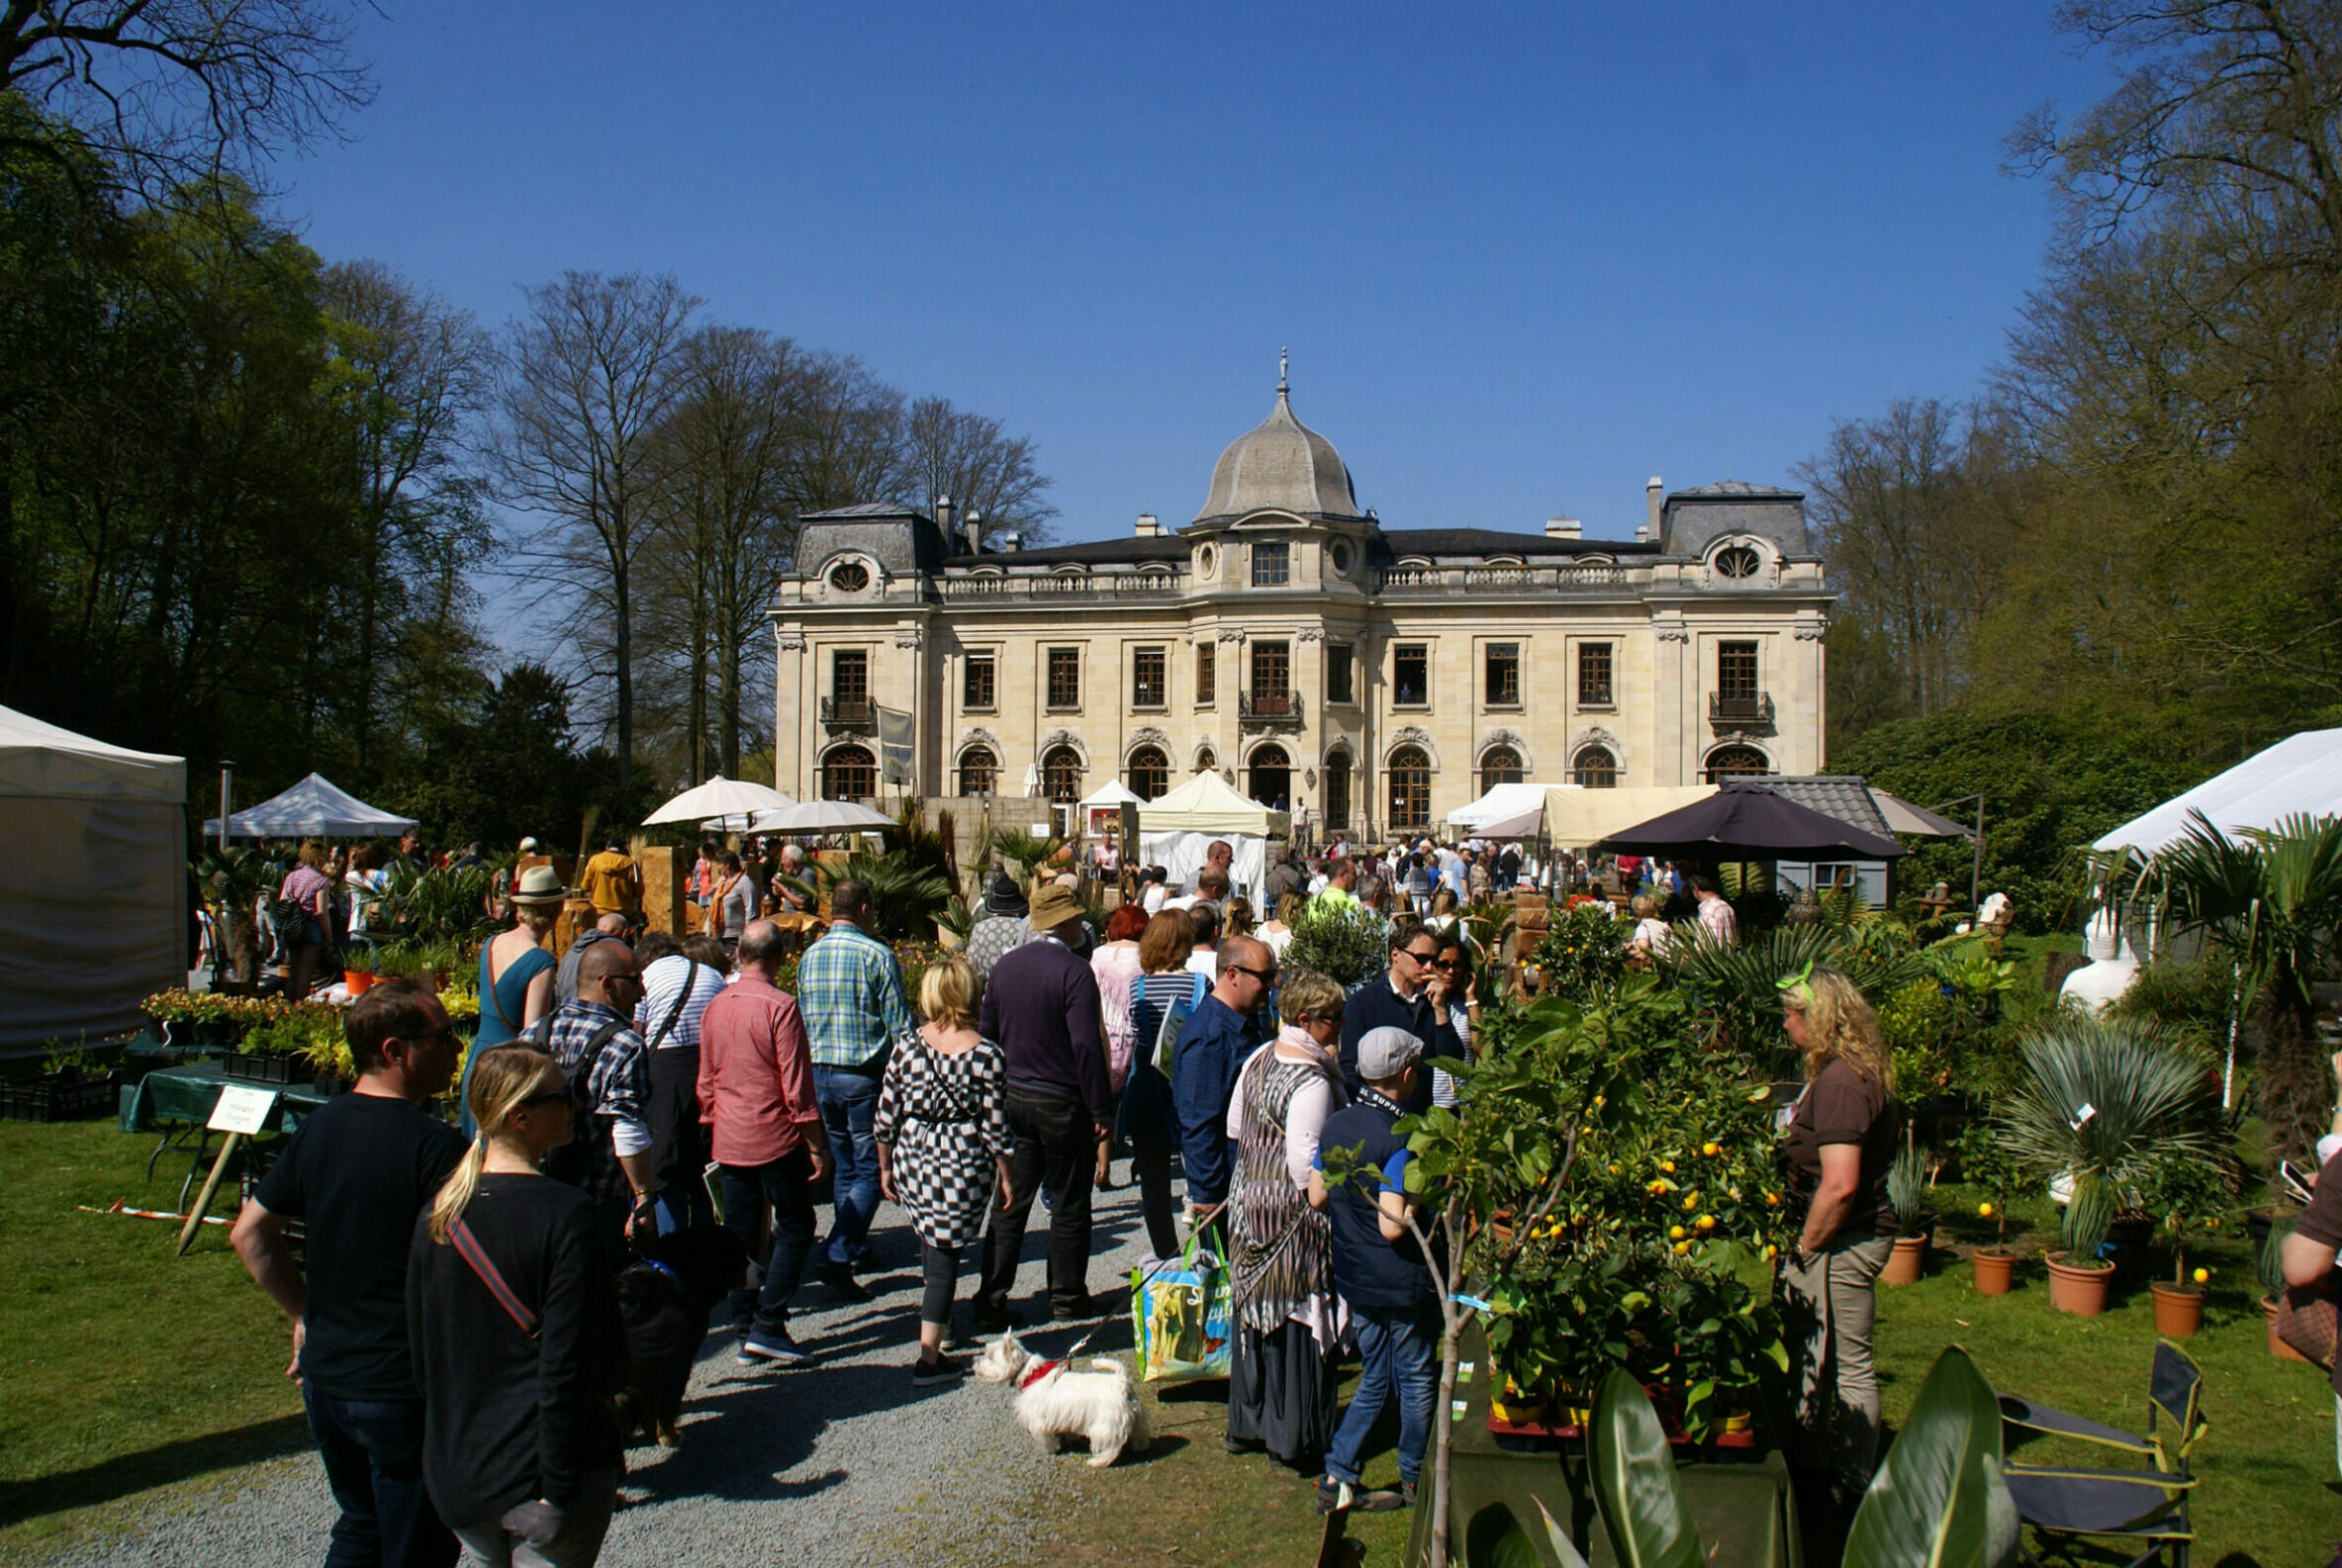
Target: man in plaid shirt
(596, 1042)
(849, 992)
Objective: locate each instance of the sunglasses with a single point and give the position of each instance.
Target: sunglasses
(547, 1098)
(1264, 977)
(1421, 958)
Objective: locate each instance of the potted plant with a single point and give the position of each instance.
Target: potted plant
(2078, 1278)
(1985, 1166)
(1906, 1194)
(2188, 1196)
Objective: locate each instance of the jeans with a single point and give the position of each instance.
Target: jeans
(1398, 1356)
(1830, 1307)
(786, 1185)
(1055, 1143)
(1150, 1162)
(848, 1100)
(584, 1522)
(373, 1454)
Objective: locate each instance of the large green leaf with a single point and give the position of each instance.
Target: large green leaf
(1633, 1477)
(1496, 1539)
(1938, 1501)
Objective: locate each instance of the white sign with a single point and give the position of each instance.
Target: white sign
(241, 1109)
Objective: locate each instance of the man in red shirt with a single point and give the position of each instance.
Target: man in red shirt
(756, 1095)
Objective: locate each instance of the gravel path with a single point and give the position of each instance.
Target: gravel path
(840, 1463)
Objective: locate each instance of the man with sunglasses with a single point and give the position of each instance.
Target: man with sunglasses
(1221, 1036)
(356, 1173)
(1412, 996)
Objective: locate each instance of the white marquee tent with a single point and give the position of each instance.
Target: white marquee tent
(1176, 828)
(93, 889)
(2302, 774)
(1502, 802)
(315, 807)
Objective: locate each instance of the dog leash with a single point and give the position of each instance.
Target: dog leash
(1044, 1369)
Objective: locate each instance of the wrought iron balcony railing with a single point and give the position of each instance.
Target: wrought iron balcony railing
(1268, 709)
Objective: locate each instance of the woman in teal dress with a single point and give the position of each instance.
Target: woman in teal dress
(515, 972)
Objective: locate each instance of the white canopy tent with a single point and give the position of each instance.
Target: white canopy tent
(1176, 828)
(2302, 774)
(314, 808)
(1107, 804)
(93, 889)
(1503, 803)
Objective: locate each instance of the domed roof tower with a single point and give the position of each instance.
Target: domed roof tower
(1281, 466)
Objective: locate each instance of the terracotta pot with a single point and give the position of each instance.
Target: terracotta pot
(2276, 1346)
(1993, 1272)
(2179, 1310)
(357, 981)
(1911, 1253)
(2079, 1290)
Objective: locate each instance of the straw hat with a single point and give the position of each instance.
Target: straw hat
(539, 885)
(1053, 907)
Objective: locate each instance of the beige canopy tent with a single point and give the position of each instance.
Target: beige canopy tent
(1176, 828)
(1576, 817)
(93, 889)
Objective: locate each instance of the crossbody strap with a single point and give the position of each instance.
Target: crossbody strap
(468, 1249)
(691, 983)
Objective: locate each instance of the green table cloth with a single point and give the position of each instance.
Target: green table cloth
(186, 1094)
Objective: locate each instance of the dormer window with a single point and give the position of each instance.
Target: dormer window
(1738, 562)
(849, 576)
(1272, 564)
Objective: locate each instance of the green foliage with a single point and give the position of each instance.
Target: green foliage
(1938, 1499)
(1987, 1166)
(2189, 1199)
(1631, 1473)
(1907, 1190)
(1022, 852)
(1583, 951)
(2146, 1098)
(1738, 987)
(907, 900)
(2194, 1001)
(2089, 1216)
(441, 907)
(1346, 942)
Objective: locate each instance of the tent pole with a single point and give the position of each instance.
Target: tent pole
(227, 798)
(1976, 867)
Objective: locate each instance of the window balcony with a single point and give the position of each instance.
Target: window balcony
(848, 712)
(1268, 709)
(1741, 710)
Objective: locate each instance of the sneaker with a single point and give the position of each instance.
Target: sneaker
(927, 1374)
(1407, 1493)
(776, 1348)
(1332, 1496)
(840, 1279)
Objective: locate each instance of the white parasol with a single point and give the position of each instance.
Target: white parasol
(720, 797)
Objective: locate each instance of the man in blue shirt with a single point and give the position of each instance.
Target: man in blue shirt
(1220, 1036)
(1381, 1271)
(849, 992)
(1413, 996)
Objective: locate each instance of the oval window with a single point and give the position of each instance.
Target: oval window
(1206, 559)
(1340, 555)
(852, 577)
(1737, 561)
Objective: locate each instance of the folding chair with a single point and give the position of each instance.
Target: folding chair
(2141, 1508)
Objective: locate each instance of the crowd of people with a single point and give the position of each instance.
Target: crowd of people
(454, 1326)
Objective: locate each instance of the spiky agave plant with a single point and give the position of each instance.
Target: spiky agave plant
(2103, 1100)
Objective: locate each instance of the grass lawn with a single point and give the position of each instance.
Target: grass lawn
(126, 1370)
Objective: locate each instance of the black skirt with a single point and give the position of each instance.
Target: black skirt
(1280, 1394)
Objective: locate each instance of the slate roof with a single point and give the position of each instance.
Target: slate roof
(1491, 541)
(1094, 552)
(1842, 796)
(1740, 487)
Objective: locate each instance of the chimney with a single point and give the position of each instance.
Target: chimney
(1148, 526)
(943, 515)
(1013, 541)
(973, 525)
(1562, 528)
(1654, 500)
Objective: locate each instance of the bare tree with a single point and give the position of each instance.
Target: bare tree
(590, 373)
(847, 438)
(182, 92)
(969, 458)
(411, 371)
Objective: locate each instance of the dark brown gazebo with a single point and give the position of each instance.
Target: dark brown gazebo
(1747, 822)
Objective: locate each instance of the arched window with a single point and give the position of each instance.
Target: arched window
(1148, 772)
(1206, 760)
(980, 772)
(1595, 769)
(1337, 800)
(1272, 780)
(1410, 789)
(1499, 765)
(1061, 774)
(1734, 762)
(850, 773)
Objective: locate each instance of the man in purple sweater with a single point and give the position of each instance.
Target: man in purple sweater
(1041, 1004)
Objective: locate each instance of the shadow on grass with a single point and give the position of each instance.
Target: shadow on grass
(126, 1474)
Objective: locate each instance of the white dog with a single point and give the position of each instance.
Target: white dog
(1054, 1402)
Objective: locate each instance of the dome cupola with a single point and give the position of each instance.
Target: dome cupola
(1280, 466)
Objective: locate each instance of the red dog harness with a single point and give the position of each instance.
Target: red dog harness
(1040, 1371)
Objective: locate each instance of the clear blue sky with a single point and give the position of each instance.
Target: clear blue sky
(1525, 256)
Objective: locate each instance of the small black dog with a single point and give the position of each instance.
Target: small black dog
(665, 1298)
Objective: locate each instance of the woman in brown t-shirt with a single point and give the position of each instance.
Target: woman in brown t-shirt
(1841, 1140)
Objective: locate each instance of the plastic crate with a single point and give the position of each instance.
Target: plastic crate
(57, 1098)
(266, 1067)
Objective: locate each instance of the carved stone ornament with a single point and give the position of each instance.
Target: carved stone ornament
(790, 643)
(907, 637)
(1671, 630)
(1506, 735)
(1411, 735)
(1596, 736)
(1738, 737)
(1064, 738)
(1310, 634)
(1147, 736)
(1231, 634)
(980, 736)
(1813, 628)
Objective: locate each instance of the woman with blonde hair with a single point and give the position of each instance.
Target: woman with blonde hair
(1277, 929)
(1281, 1383)
(1841, 1140)
(1239, 916)
(515, 972)
(513, 1323)
(942, 1131)
(309, 890)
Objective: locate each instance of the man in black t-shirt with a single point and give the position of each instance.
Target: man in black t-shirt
(358, 1172)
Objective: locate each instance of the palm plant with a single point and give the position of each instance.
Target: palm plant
(907, 900)
(1739, 987)
(1024, 853)
(2268, 901)
(232, 881)
(2104, 1100)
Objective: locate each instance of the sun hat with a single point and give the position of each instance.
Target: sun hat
(1387, 1052)
(539, 885)
(1003, 897)
(1053, 907)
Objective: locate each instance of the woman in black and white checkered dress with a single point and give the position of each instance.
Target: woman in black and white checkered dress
(942, 1128)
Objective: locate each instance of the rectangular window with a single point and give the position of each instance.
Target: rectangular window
(1272, 671)
(976, 690)
(1410, 675)
(1065, 677)
(1504, 675)
(1206, 674)
(849, 683)
(1338, 794)
(1273, 564)
(1736, 672)
(1593, 675)
(1147, 688)
(1340, 684)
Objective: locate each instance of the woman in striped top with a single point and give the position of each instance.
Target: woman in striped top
(1147, 1120)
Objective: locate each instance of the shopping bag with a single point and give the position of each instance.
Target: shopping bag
(1181, 1318)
